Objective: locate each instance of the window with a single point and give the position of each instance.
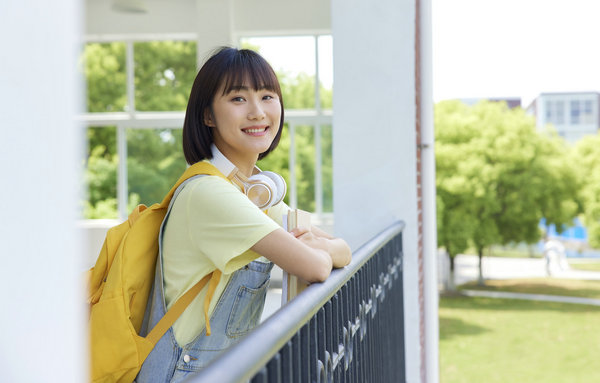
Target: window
(555, 112)
(137, 92)
(164, 74)
(306, 77)
(133, 157)
(559, 112)
(575, 112)
(587, 114)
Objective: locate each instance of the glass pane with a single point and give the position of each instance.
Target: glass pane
(575, 112)
(305, 167)
(327, 167)
(100, 173)
(106, 79)
(293, 59)
(154, 163)
(164, 74)
(326, 71)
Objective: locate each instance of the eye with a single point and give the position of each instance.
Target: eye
(237, 99)
(269, 97)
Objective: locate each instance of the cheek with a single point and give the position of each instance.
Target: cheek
(276, 113)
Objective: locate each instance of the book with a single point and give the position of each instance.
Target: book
(291, 284)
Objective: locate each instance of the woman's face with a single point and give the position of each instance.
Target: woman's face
(244, 122)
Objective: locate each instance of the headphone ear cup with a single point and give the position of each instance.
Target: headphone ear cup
(280, 186)
(261, 190)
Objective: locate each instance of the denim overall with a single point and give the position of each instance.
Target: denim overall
(237, 311)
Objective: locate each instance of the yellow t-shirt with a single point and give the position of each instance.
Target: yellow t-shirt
(212, 225)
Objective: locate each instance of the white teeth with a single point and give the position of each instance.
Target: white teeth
(255, 130)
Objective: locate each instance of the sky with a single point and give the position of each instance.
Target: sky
(489, 48)
(515, 48)
(297, 54)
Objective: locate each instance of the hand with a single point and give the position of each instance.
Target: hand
(336, 248)
(306, 236)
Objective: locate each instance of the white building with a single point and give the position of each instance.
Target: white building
(572, 115)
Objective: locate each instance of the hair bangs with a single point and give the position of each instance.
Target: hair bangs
(250, 71)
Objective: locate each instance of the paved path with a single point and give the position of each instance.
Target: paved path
(532, 297)
(467, 269)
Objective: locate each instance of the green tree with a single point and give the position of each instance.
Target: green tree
(164, 73)
(106, 78)
(587, 160)
(454, 130)
(499, 176)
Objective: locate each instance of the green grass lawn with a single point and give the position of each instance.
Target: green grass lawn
(504, 340)
(550, 286)
(588, 266)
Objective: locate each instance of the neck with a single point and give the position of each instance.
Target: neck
(226, 162)
(246, 168)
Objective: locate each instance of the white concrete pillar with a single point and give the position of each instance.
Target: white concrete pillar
(374, 146)
(215, 26)
(430, 255)
(41, 290)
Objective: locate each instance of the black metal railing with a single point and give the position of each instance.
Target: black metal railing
(348, 329)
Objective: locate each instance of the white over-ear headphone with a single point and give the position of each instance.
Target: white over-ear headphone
(264, 189)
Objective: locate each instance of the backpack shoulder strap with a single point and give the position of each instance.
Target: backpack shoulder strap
(199, 168)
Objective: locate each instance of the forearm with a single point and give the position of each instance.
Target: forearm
(310, 263)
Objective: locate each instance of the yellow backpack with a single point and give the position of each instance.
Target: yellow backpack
(119, 286)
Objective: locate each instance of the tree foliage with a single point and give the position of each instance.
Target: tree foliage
(497, 177)
(587, 156)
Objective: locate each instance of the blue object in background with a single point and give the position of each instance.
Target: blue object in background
(575, 233)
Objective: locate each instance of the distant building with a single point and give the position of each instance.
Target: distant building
(511, 102)
(573, 115)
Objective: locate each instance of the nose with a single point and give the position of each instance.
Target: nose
(256, 111)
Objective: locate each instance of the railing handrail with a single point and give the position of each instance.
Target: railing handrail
(246, 358)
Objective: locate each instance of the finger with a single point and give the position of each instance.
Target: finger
(297, 232)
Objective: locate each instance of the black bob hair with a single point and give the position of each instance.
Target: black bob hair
(231, 68)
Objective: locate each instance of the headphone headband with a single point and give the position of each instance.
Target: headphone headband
(264, 189)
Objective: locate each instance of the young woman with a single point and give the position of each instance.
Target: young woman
(234, 118)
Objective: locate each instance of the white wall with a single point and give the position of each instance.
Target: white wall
(282, 16)
(177, 16)
(43, 335)
(190, 16)
(374, 146)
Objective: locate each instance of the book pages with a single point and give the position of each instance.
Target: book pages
(291, 284)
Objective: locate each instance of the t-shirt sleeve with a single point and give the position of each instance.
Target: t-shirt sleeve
(277, 212)
(223, 223)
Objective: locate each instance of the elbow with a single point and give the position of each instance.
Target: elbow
(323, 274)
(344, 256)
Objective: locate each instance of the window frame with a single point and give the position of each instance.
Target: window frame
(133, 119)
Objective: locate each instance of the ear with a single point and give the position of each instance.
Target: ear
(208, 118)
